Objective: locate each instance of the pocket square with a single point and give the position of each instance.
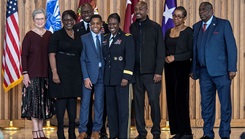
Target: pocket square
(216, 32)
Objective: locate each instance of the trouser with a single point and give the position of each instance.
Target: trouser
(61, 105)
(119, 108)
(177, 91)
(209, 85)
(90, 117)
(144, 82)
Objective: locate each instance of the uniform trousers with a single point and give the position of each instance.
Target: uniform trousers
(144, 82)
(118, 110)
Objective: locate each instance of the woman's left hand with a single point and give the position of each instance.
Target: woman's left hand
(169, 59)
(26, 81)
(124, 82)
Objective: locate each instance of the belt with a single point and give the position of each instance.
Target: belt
(68, 54)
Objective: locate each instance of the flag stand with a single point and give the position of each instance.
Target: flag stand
(166, 128)
(11, 127)
(48, 126)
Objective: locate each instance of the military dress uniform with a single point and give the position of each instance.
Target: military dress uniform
(119, 55)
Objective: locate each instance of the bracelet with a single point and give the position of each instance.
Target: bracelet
(54, 70)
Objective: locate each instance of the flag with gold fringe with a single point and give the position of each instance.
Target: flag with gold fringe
(11, 62)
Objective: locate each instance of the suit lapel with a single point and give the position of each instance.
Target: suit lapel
(92, 42)
(211, 28)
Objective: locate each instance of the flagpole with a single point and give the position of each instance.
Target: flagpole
(11, 126)
(53, 24)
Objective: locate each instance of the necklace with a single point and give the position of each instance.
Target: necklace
(40, 32)
(72, 34)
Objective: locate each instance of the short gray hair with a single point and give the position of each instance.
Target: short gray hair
(38, 11)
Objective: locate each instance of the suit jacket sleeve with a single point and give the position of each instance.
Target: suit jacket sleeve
(83, 60)
(231, 47)
(160, 57)
(195, 65)
(130, 58)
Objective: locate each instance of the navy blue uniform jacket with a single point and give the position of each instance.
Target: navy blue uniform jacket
(119, 58)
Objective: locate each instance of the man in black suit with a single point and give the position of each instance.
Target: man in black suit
(82, 28)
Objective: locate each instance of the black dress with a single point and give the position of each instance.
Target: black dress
(68, 65)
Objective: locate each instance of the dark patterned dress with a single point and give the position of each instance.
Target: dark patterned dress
(35, 102)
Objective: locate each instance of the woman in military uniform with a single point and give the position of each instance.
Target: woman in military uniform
(119, 55)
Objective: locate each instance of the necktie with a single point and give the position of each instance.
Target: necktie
(88, 28)
(111, 40)
(204, 27)
(97, 42)
(98, 48)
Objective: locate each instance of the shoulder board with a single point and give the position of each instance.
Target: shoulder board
(128, 34)
(106, 34)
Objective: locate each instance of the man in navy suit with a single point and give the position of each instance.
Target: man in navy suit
(83, 28)
(214, 63)
(92, 68)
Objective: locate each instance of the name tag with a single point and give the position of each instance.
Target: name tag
(100, 64)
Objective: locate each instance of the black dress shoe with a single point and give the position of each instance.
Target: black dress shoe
(206, 137)
(177, 136)
(187, 137)
(103, 136)
(156, 136)
(140, 137)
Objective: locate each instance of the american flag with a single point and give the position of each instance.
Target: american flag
(11, 67)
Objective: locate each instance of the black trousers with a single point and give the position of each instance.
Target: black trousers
(177, 89)
(69, 104)
(90, 117)
(144, 82)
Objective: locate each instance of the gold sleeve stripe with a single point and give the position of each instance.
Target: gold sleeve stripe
(128, 72)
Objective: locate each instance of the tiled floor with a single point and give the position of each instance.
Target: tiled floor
(27, 134)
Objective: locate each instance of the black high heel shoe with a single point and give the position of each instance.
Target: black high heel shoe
(42, 134)
(35, 133)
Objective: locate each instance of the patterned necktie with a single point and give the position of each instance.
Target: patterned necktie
(204, 27)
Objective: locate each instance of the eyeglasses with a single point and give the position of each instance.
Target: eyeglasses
(68, 20)
(177, 16)
(39, 19)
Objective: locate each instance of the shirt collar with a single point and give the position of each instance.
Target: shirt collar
(112, 36)
(94, 35)
(209, 21)
(85, 24)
